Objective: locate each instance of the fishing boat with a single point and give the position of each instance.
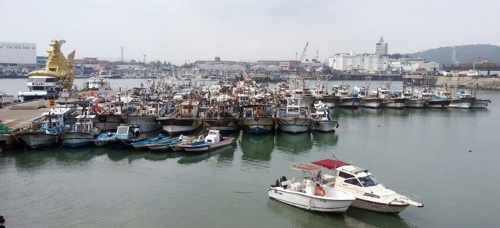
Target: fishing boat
(222, 115)
(104, 139)
(347, 100)
(462, 100)
(81, 134)
(168, 144)
(309, 192)
(294, 117)
(257, 118)
(322, 120)
(127, 134)
(370, 194)
(184, 120)
(47, 133)
(388, 100)
(439, 99)
(144, 144)
(211, 141)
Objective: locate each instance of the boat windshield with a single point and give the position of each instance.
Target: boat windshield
(368, 181)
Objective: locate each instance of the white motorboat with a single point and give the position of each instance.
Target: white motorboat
(308, 192)
(370, 194)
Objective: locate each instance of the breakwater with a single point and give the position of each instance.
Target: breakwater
(479, 83)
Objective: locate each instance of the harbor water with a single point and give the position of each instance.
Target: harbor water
(445, 157)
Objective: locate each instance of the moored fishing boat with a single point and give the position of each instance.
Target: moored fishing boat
(322, 120)
(81, 134)
(184, 120)
(212, 141)
(144, 144)
(104, 139)
(164, 145)
(47, 133)
(127, 134)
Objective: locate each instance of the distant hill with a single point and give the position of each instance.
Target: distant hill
(464, 54)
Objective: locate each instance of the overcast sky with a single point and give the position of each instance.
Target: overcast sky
(189, 30)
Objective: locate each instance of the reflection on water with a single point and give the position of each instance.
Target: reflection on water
(224, 154)
(155, 156)
(355, 217)
(79, 154)
(303, 218)
(257, 147)
(294, 143)
(118, 155)
(137, 155)
(325, 139)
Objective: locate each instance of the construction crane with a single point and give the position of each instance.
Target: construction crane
(304, 53)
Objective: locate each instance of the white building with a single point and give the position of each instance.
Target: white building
(17, 53)
(413, 65)
(356, 62)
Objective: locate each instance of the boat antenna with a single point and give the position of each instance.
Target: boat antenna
(333, 154)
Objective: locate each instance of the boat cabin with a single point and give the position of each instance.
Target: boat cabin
(213, 136)
(85, 123)
(188, 109)
(128, 131)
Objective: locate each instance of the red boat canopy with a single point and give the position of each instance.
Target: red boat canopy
(330, 163)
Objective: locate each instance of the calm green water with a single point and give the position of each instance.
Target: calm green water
(425, 152)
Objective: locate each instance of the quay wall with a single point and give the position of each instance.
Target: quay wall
(480, 83)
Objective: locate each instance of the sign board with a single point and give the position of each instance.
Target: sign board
(64, 94)
(52, 103)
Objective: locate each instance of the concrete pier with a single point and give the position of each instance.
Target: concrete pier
(480, 83)
(19, 116)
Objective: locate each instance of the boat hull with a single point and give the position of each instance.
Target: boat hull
(438, 104)
(180, 126)
(325, 125)
(147, 123)
(415, 103)
(479, 103)
(464, 103)
(38, 140)
(108, 122)
(349, 102)
(207, 146)
(225, 126)
(258, 125)
(76, 139)
(100, 143)
(371, 103)
(398, 103)
(309, 202)
(378, 207)
(294, 125)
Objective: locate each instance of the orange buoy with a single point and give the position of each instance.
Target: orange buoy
(319, 190)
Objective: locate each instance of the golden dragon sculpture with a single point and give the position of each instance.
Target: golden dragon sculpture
(57, 65)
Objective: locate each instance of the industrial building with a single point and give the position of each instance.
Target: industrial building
(379, 62)
(17, 53)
